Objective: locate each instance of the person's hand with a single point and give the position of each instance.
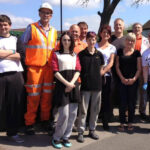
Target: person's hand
(131, 81)
(68, 89)
(124, 81)
(70, 85)
(102, 72)
(145, 85)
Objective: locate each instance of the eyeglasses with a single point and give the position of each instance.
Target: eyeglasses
(66, 40)
(46, 13)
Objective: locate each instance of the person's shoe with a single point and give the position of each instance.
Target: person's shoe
(80, 138)
(130, 129)
(30, 130)
(66, 143)
(17, 138)
(56, 144)
(93, 135)
(121, 128)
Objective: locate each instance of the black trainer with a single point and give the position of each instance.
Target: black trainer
(30, 130)
(80, 138)
(93, 135)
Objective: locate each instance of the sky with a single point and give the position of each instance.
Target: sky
(24, 12)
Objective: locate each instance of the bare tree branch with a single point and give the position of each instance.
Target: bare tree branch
(106, 4)
(84, 3)
(99, 13)
(109, 7)
(114, 5)
(137, 3)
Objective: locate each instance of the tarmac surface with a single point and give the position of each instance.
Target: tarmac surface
(108, 140)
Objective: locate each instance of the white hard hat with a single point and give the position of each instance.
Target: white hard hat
(46, 5)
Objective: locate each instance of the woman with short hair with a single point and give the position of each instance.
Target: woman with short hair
(128, 66)
(108, 51)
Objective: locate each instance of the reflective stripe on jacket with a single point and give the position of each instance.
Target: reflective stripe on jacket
(39, 48)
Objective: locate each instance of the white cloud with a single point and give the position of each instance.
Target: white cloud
(20, 22)
(11, 1)
(67, 25)
(93, 22)
(75, 3)
(17, 21)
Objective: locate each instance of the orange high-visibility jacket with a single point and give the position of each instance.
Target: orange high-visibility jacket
(39, 48)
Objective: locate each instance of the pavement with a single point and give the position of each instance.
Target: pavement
(112, 140)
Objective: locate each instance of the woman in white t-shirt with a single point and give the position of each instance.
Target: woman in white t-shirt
(108, 52)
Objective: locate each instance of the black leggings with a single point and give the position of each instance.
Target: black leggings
(127, 100)
(105, 107)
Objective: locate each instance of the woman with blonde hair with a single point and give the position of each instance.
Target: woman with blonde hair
(128, 66)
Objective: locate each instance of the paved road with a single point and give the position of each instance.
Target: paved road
(112, 140)
(140, 140)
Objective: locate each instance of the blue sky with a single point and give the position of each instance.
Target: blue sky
(24, 12)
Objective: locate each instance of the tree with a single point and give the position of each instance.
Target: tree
(108, 8)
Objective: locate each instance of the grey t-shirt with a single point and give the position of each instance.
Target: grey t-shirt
(119, 43)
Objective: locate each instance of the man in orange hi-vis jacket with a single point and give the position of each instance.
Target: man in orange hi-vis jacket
(39, 39)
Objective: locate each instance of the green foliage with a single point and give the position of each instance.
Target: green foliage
(129, 28)
(16, 33)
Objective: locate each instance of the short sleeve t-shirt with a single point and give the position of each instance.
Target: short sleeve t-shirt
(107, 53)
(66, 64)
(146, 59)
(9, 43)
(119, 43)
(128, 64)
(90, 70)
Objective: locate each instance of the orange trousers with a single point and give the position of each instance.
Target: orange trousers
(39, 87)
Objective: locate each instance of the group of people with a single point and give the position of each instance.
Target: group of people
(77, 76)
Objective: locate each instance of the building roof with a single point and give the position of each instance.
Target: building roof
(146, 26)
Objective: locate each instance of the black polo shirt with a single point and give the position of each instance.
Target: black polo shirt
(90, 70)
